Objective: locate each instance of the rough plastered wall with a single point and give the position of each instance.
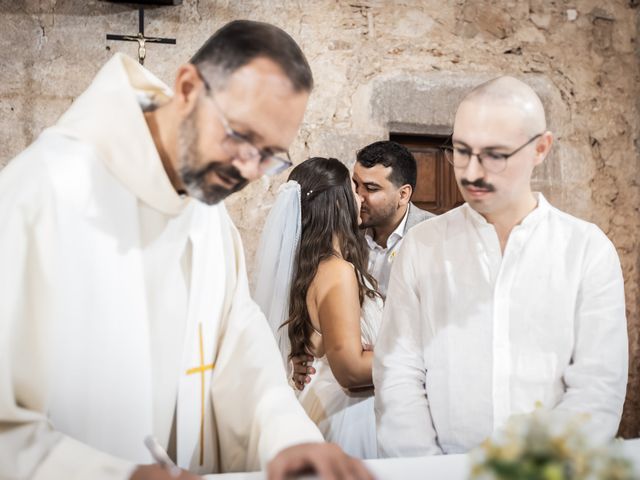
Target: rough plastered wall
(381, 66)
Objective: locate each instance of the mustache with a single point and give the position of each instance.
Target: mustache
(198, 176)
(479, 183)
(195, 180)
(228, 171)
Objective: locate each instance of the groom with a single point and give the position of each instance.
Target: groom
(385, 175)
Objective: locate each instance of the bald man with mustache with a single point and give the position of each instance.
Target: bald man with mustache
(502, 303)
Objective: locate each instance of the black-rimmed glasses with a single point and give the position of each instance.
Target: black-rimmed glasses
(494, 162)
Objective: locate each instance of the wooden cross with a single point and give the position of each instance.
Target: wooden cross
(140, 38)
(201, 369)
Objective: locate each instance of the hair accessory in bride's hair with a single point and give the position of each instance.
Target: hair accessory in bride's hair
(308, 193)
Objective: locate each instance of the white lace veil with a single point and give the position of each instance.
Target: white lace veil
(275, 262)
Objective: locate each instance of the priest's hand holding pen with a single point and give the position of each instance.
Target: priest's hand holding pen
(158, 472)
(165, 469)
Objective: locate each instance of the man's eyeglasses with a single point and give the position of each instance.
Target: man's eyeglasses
(239, 146)
(494, 162)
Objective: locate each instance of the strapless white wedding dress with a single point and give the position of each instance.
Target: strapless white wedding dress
(344, 417)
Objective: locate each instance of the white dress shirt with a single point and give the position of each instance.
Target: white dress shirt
(471, 336)
(380, 259)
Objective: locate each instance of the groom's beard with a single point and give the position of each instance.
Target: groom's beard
(375, 218)
(196, 180)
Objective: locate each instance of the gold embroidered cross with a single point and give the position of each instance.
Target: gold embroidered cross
(201, 369)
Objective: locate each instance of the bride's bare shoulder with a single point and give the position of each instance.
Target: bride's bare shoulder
(334, 270)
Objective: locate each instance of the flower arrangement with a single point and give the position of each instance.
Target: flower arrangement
(546, 446)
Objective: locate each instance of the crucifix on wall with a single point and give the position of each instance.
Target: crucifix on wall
(140, 37)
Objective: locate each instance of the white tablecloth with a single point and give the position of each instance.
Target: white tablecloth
(440, 467)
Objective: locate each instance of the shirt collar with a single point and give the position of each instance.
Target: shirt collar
(395, 236)
(532, 218)
(109, 116)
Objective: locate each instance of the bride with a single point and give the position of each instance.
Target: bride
(334, 311)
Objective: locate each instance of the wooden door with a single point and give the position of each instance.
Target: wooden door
(436, 190)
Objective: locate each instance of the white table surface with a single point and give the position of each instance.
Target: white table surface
(439, 467)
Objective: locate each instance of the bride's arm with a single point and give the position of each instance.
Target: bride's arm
(338, 307)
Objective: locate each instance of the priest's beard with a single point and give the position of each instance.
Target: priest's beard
(196, 178)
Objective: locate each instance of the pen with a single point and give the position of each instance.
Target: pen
(160, 456)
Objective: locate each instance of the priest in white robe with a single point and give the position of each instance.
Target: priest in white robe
(501, 303)
(125, 308)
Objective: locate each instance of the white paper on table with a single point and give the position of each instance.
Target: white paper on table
(438, 467)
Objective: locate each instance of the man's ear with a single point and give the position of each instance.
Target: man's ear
(187, 89)
(543, 146)
(405, 192)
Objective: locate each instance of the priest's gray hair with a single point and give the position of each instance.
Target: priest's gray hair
(241, 41)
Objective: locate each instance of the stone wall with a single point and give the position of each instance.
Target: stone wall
(383, 66)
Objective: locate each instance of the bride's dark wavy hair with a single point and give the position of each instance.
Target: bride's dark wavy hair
(328, 208)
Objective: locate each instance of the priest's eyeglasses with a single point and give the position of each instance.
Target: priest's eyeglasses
(495, 162)
(237, 145)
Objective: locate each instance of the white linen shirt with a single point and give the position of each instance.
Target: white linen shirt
(380, 259)
(471, 336)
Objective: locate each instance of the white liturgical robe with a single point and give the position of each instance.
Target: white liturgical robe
(125, 308)
(471, 336)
